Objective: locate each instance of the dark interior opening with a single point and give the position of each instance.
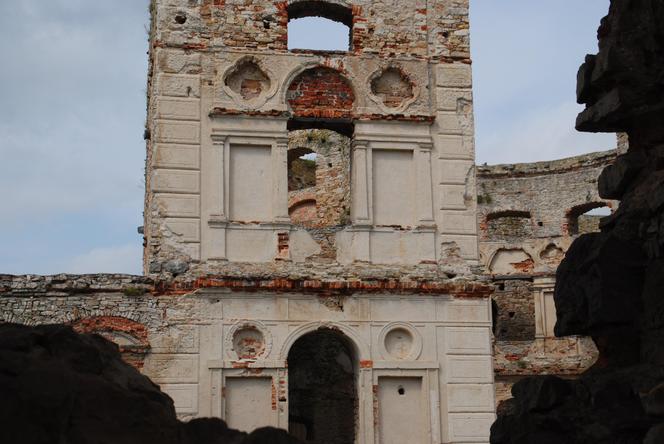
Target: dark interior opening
(342, 126)
(322, 390)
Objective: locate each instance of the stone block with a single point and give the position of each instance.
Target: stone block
(176, 156)
(454, 75)
(181, 339)
(467, 244)
(470, 398)
(251, 308)
(470, 427)
(469, 369)
(178, 85)
(467, 311)
(178, 109)
(452, 197)
(179, 205)
(172, 369)
(413, 308)
(188, 229)
(453, 147)
(455, 171)
(178, 61)
(448, 122)
(169, 131)
(247, 245)
(176, 181)
(185, 397)
(458, 223)
(448, 98)
(468, 340)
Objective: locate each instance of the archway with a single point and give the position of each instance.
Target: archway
(322, 389)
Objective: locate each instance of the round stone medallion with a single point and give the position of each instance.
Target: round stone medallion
(400, 342)
(249, 341)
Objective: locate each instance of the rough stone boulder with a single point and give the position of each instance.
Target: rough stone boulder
(57, 386)
(600, 408)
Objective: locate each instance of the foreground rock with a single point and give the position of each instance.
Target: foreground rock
(611, 284)
(58, 386)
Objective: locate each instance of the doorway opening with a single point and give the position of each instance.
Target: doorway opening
(322, 388)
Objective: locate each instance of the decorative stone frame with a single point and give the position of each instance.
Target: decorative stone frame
(229, 339)
(257, 102)
(270, 133)
(543, 292)
(416, 86)
(430, 402)
(417, 139)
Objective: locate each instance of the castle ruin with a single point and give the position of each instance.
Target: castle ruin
(319, 253)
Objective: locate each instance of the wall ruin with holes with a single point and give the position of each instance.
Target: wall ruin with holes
(381, 247)
(529, 214)
(224, 91)
(213, 344)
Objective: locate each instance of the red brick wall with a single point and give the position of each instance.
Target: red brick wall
(321, 92)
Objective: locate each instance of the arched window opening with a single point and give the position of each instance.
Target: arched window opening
(319, 26)
(509, 225)
(585, 218)
(322, 389)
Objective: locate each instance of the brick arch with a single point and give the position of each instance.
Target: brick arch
(322, 93)
(130, 336)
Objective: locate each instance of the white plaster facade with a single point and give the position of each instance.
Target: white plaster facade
(217, 201)
(445, 356)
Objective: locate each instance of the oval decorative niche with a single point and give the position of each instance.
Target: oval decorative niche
(400, 342)
(393, 88)
(249, 341)
(248, 82)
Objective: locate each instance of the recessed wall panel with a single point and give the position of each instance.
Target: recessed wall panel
(393, 187)
(250, 183)
(249, 403)
(402, 419)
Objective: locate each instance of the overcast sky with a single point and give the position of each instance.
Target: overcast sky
(73, 109)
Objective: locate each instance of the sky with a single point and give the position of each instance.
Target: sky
(73, 84)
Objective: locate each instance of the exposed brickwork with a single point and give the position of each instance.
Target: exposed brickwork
(331, 188)
(380, 27)
(321, 92)
(534, 211)
(515, 320)
(131, 336)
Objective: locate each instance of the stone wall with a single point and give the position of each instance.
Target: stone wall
(609, 285)
(218, 69)
(207, 334)
(529, 214)
(380, 27)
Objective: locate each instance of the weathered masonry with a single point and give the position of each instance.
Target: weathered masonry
(321, 206)
(529, 215)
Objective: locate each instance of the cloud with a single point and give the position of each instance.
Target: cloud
(541, 134)
(115, 259)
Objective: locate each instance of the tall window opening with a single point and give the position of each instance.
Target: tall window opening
(319, 26)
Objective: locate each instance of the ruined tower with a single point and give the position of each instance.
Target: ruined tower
(313, 217)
